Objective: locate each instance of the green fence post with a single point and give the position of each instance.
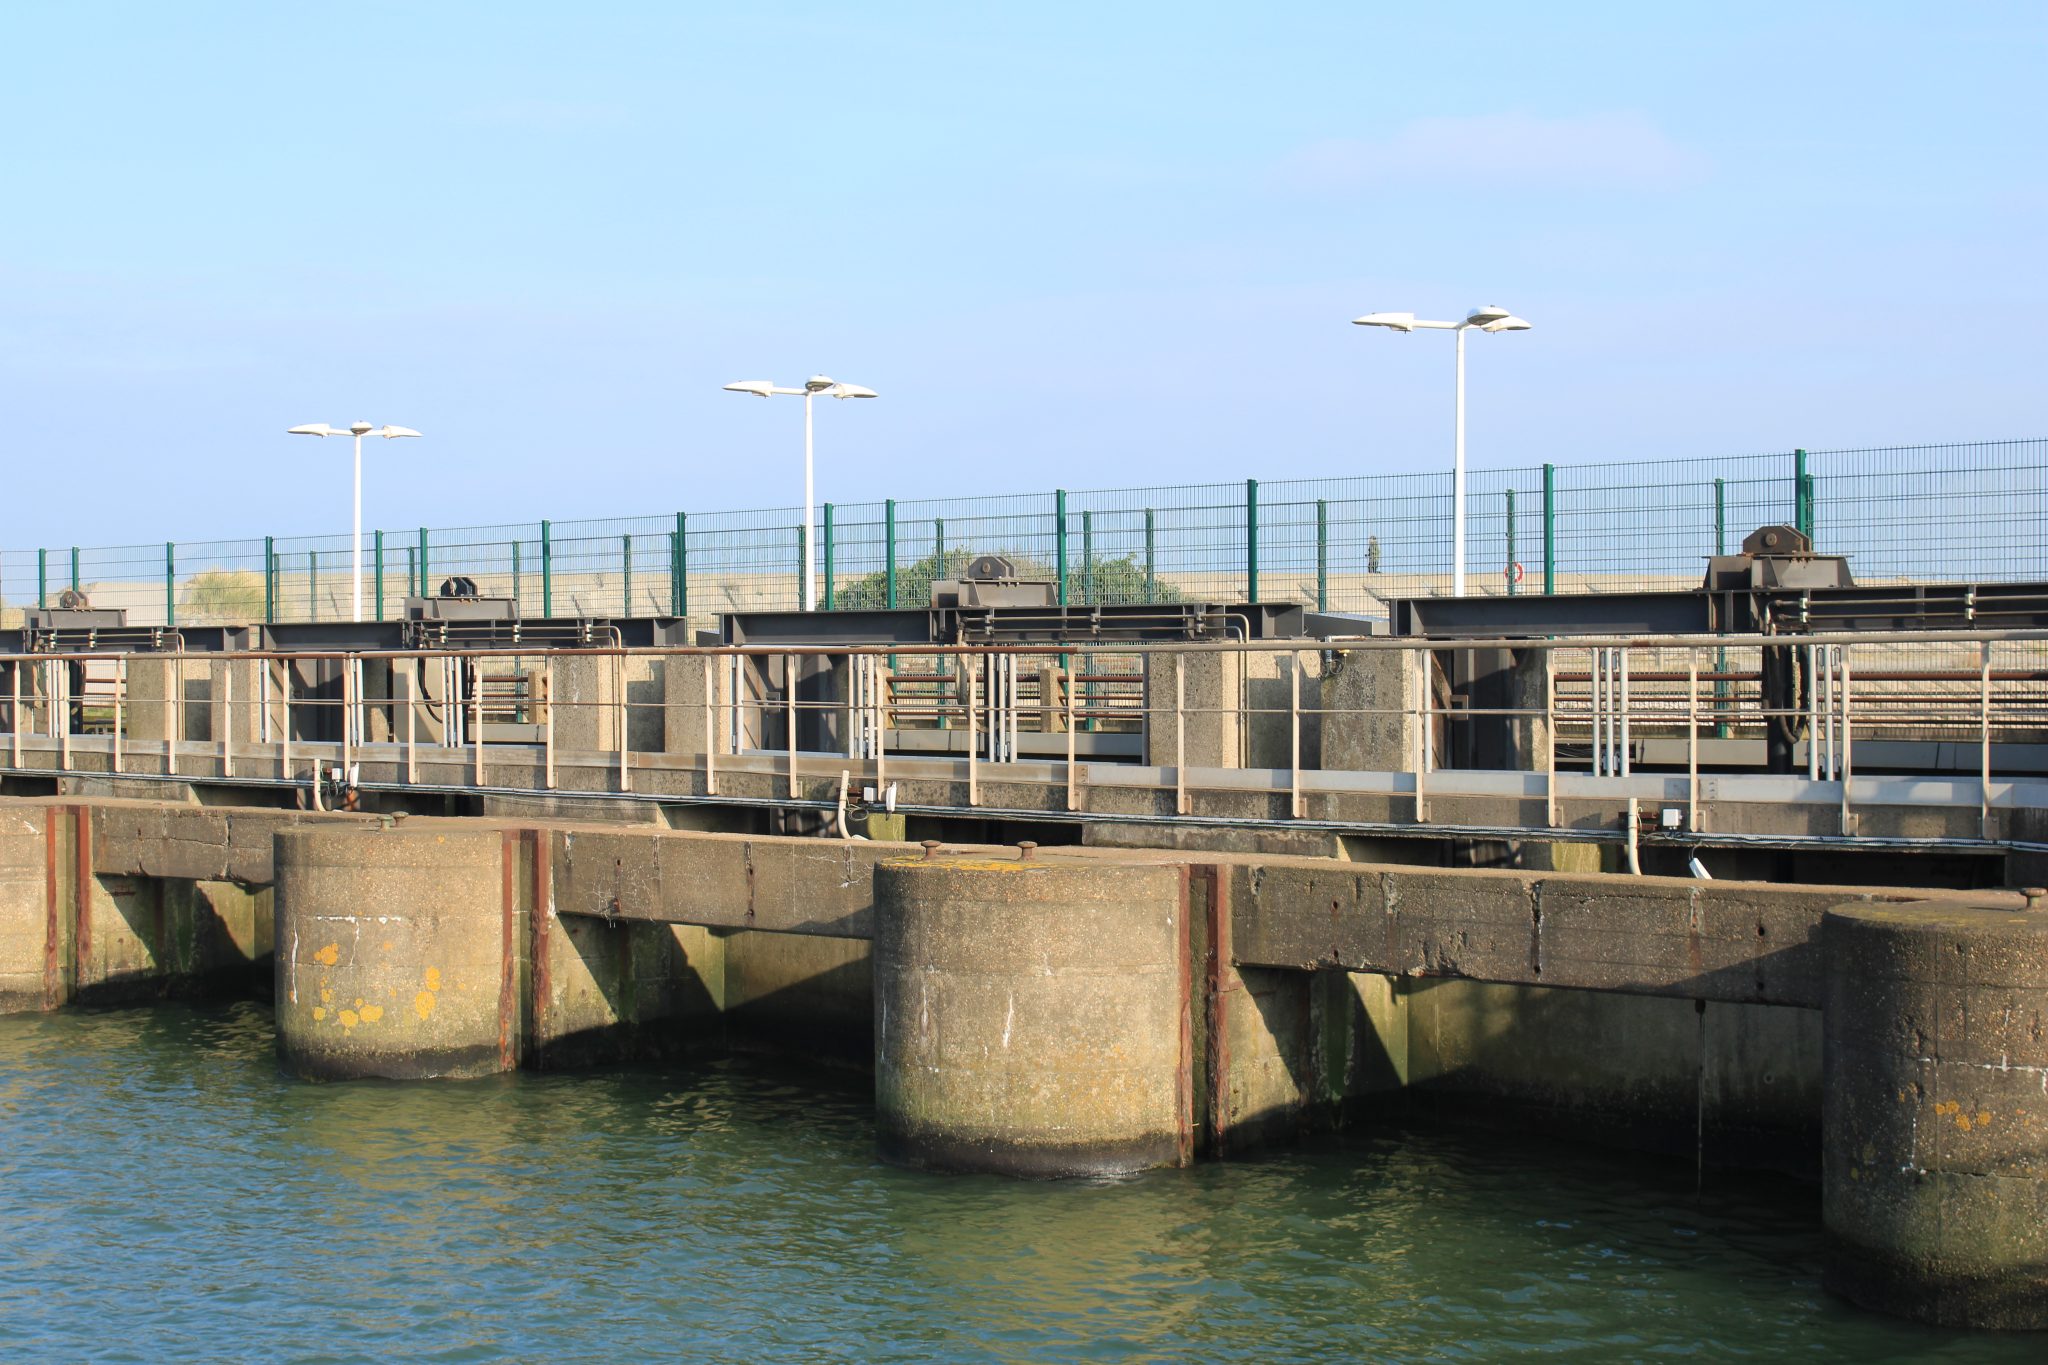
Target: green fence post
(626, 572)
(939, 548)
(889, 553)
(1251, 540)
(170, 583)
(377, 570)
(312, 585)
(423, 562)
(830, 538)
(518, 587)
(1549, 529)
(1059, 532)
(74, 569)
(1151, 563)
(1322, 554)
(547, 568)
(42, 578)
(802, 551)
(269, 579)
(679, 565)
(1802, 495)
(1513, 586)
(1089, 596)
(411, 571)
(1721, 655)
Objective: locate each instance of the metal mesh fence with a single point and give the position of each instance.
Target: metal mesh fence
(1967, 511)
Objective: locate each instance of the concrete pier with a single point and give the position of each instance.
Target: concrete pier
(1935, 1114)
(397, 953)
(1031, 1016)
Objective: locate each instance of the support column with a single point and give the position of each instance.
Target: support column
(27, 888)
(397, 952)
(1032, 1017)
(1934, 1116)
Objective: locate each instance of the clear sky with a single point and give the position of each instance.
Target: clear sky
(1080, 244)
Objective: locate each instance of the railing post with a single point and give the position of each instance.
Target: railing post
(312, 585)
(518, 587)
(42, 578)
(679, 565)
(1059, 532)
(1151, 561)
(377, 571)
(1251, 540)
(889, 550)
(1549, 529)
(74, 569)
(802, 553)
(827, 547)
(1513, 586)
(412, 575)
(547, 567)
(424, 571)
(1088, 594)
(1322, 555)
(939, 547)
(626, 573)
(170, 583)
(269, 579)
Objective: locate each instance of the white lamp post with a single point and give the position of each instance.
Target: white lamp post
(358, 430)
(813, 386)
(1488, 319)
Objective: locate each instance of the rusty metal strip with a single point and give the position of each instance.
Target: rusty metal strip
(81, 893)
(542, 916)
(1218, 970)
(1184, 1090)
(53, 980)
(508, 949)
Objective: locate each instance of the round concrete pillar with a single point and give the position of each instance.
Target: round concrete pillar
(1935, 1112)
(1030, 1016)
(391, 953)
(25, 977)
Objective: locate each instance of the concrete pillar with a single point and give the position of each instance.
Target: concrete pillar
(585, 703)
(24, 912)
(150, 709)
(1372, 702)
(1934, 1117)
(1209, 715)
(1031, 1017)
(392, 953)
(685, 694)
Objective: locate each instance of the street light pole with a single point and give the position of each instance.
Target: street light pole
(815, 385)
(1488, 319)
(358, 430)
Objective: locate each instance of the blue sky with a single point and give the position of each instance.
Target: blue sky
(1088, 245)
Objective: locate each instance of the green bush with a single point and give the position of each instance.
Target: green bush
(1113, 581)
(226, 596)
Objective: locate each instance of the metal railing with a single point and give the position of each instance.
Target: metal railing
(1974, 511)
(1367, 736)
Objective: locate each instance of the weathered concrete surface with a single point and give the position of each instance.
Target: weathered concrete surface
(1031, 1018)
(396, 953)
(26, 916)
(808, 993)
(1745, 942)
(1372, 705)
(1935, 1184)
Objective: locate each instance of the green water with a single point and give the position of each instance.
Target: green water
(169, 1194)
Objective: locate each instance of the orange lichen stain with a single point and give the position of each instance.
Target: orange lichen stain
(1963, 1122)
(1902, 1097)
(1949, 1107)
(433, 978)
(1983, 1118)
(359, 1002)
(326, 997)
(318, 1014)
(372, 1013)
(329, 955)
(423, 1004)
(349, 1019)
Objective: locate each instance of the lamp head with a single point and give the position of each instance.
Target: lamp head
(817, 383)
(360, 428)
(392, 433)
(1400, 322)
(850, 391)
(312, 429)
(1488, 313)
(760, 388)
(1510, 323)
